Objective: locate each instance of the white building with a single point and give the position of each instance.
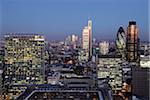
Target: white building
(104, 47)
(74, 40)
(145, 61)
(71, 41)
(111, 67)
(87, 39)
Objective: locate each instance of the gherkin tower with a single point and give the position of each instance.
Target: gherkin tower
(121, 42)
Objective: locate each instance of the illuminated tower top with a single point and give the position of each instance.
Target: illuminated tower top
(90, 23)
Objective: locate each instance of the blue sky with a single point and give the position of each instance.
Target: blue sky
(59, 18)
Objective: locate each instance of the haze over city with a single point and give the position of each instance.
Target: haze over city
(59, 18)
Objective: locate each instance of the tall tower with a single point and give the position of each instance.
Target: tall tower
(90, 37)
(87, 39)
(121, 42)
(132, 42)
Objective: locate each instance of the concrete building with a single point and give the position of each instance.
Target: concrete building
(145, 61)
(104, 47)
(110, 68)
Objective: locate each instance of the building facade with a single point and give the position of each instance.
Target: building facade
(132, 42)
(87, 39)
(110, 68)
(104, 47)
(24, 60)
(121, 42)
(1, 68)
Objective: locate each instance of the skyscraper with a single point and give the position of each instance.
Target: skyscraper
(74, 39)
(132, 42)
(87, 39)
(121, 42)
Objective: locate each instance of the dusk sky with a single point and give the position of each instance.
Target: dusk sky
(59, 18)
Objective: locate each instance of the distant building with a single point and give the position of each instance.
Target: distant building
(145, 48)
(104, 47)
(24, 60)
(87, 39)
(74, 40)
(95, 54)
(68, 40)
(71, 41)
(81, 55)
(132, 43)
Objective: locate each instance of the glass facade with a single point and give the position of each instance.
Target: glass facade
(132, 42)
(121, 42)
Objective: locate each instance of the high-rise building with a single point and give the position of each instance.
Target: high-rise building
(104, 47)
(71, 41)
(87, 39)
(121, 42)
(74, 39)
(132, 42)
(24, 60)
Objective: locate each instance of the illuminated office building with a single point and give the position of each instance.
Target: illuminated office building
(87, 39)
(132, 42)
(121, 42)
(110, 67)
(74, 39)
(24, 59)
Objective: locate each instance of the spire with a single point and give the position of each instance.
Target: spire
(89, 22)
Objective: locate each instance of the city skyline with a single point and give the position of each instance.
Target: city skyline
(58, 19)
(74, 49)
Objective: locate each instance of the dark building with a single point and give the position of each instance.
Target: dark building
(57, 92)
(140, 82)
(132, 42)
(1, 68)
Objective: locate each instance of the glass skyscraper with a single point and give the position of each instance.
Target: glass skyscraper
(121, 42)
(132, 42)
